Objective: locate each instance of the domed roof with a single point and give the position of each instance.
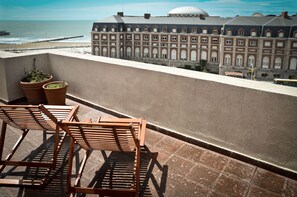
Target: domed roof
(257, 14)
(187, 10)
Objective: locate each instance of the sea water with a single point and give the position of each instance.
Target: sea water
(32, 31)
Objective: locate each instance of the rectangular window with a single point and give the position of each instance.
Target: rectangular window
(112, 37)
(214, 40)
(267, 44)
(240, 42)
(145, 37)
(136, 36)
(173, 38)
(203, 39)
(228, 42)
(96, 37)
(253, 43)
(155, 37)
(128, 36)
(184, 39)
(280, 44)
(164, 37)
(194, 39)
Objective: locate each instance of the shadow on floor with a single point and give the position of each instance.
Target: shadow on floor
(113, 172)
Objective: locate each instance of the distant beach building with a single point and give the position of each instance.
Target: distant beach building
(188, 36)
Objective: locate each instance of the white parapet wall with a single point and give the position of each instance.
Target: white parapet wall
(255, 119)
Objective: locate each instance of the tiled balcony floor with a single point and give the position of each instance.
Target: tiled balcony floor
(170, 167)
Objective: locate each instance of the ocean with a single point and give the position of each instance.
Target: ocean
(32, 31)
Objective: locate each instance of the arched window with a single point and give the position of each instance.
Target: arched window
(239, 60)
(204, 55)
(96, 50)
(227, 61)
(281, 33)
(251, 60)
(155, 29)
(155, 53)
(164, 29)
(129, 51)
(113, 52)
(174, 29)
(104, 52)
(293, 64)
(173, 54)
(204, 30)
(253, 32)
(268, 33)
(164, 53)
(214, 57)
(184, 30)
(241, 32)
(229, 32)
(145, 52)
(265, 62)
(137, 52)
(277, 63)
(183, 55)
(193, 55)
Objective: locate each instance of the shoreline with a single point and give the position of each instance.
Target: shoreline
(45, 45)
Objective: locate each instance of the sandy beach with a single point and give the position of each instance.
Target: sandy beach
(81, 47)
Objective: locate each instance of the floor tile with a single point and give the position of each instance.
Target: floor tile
(268, 180)
(214, 160)
(230, 186)
(240, 170)
(203, 175)
(256, 192)
(190, 152)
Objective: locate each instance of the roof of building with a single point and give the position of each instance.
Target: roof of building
(211, 20)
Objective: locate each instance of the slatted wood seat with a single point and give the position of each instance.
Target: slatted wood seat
(26, 118)
(108, 134)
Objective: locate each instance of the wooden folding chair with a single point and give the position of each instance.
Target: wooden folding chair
(106, 134)
(26, 118)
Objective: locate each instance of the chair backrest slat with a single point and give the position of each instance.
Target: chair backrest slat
(25, 117)
(103, 136)
(41, 117)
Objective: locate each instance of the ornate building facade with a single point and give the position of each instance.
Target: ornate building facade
(265, 44)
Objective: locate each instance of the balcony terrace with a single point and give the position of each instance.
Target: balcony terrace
(208, 135)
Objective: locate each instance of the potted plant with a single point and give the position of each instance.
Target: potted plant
(55, 92)
(32, 83)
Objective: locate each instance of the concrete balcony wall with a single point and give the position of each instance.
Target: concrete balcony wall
(12, 69)
(251, 118)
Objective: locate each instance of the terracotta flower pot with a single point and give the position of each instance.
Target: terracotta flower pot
(34, 92)
(55, 92)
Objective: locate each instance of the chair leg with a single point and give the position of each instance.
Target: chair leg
(70, 158)
(14, 149)
(2, 137)
(70, 189)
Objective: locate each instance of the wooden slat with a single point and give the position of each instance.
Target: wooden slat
(31, 117)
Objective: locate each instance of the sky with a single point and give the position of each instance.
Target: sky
(100, 9)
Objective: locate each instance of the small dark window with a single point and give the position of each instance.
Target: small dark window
(264, 75)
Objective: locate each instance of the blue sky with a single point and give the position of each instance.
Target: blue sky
(98, 9)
